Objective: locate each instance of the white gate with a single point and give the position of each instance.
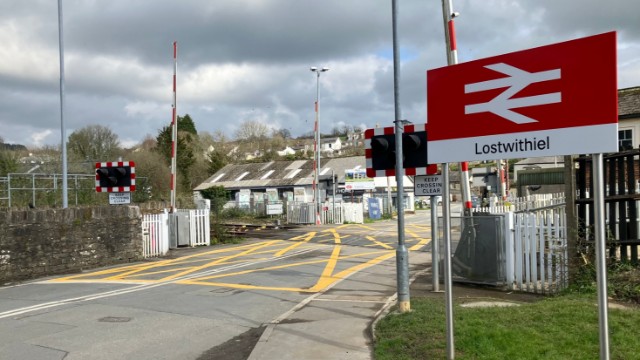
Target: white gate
(155, 235)
(155, 231)
(199, 227)
(540, 251)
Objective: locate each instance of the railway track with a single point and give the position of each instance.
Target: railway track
(254, 229)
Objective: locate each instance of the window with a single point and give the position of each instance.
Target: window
(625, 139)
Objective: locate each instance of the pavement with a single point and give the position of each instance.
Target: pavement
(337, 323)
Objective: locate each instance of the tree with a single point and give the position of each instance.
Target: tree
(94, 143)
(217, 160)
(252, 130)
(152, 176)
(283, 133)
(186, 148)
(8, 162)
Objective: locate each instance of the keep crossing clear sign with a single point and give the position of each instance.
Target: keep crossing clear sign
(119, 198)
(428, 185)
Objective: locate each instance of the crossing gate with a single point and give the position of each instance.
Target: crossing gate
(199, 227)
(537, 253)
(156, 233)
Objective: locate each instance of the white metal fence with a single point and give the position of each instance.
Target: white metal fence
(155, 231)
(535, 242)
(338, 213)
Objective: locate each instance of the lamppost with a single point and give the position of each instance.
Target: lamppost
(316, 145)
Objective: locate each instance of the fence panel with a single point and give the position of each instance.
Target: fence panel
(334, 213)
(302, 213)
(622, 199)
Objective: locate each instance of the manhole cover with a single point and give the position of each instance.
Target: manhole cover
(115, 319)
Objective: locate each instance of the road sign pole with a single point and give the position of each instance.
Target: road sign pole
(402, 255)
(448, 295)
(601, 261)
(435, 245)
(452, 58)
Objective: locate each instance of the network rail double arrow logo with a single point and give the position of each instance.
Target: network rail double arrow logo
(558, 99)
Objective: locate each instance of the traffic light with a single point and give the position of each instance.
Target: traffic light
(380, 151)
(414, 150)
(383, 152)
(115, 176)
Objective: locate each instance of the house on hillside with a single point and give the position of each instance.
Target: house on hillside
(331, 146)
(287, 151)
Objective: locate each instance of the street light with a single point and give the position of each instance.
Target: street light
(316, 145)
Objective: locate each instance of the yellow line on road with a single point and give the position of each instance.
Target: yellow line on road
(346, 272)
(320, 285)
(421, 243)
(325, 278)
(310, 236)
(370, 238)
(336, 236)
(421, 227)
(355, 225)
(145, 266)
(221, 260)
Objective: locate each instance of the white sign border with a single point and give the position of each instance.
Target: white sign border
(565, 141)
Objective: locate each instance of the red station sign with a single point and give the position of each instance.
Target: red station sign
(558, 99)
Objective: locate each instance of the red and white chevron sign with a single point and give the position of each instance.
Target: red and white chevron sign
(558, 99)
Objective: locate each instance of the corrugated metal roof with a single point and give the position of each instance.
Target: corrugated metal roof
(279, 173)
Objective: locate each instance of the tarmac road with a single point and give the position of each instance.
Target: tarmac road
(307, 294)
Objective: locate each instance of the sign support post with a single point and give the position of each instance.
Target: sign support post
(435, 245)
(601, 261)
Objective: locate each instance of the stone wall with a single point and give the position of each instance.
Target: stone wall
(35, 243)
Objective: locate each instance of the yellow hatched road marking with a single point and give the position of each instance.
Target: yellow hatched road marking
(370, 238)
(421, 243)
(146, 266)
(221, 260)
(310, 236)
(321, 284)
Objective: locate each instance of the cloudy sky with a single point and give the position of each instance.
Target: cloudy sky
(241, 60)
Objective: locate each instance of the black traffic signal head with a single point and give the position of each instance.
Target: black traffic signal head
(383, 152)
(414, 150)
(115, 178)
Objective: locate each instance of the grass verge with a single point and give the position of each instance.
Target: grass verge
(562, 327)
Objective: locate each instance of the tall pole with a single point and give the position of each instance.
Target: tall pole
(402, 255)
(601, 260)
(316, 146)
(452, 58)
(174, 129)
(63, 130)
